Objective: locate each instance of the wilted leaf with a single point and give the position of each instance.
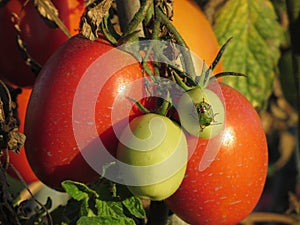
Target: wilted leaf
(49, 12)
(92, 18)
(33, 64)
(254, 49)
(16, 140)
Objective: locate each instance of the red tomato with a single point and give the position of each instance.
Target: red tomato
(19, 161)
(41, 40)
(51, 147)
(224, 188)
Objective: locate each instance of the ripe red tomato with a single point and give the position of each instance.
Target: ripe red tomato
(19, 161)
(41, 40)
(51, 121)
(224, 188)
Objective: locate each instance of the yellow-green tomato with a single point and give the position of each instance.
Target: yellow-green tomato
(154, 151)
(201, 112)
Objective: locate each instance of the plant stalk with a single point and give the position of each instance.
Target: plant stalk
(187, 56)
(127, 13)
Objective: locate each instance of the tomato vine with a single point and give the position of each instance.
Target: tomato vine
(148, 20)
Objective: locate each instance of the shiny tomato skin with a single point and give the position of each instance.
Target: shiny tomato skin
(19, 161)
(227, 187)
(51, 146)
(40, 39)
(160, 138)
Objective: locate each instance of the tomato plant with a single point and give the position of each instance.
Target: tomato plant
(228, 156)
(57, 167)
(51, 147)
(31, 25)
(41, 40)
(150, 141)
(226, 174)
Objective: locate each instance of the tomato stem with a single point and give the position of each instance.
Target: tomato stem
(135, 23)
(187, 56)
(163, 110)
(140, 105)
(180, 82)
(202, 80)
(108, 31)
(155, 35)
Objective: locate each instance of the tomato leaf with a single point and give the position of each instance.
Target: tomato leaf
(104, 220)
(104, 202)
(134, 206)
(93, 16)
(254, 49)
(49, 13)
(77, 190)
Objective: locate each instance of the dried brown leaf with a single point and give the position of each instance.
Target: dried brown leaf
(34, 65)
(167, 7)
(93, 16)
(47, 10)
(16, 140)
(50, 14)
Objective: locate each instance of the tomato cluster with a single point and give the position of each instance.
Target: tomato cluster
(226, 174)
(220, 158)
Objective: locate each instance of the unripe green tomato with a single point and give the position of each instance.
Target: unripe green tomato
(201, 112)
(156, 148)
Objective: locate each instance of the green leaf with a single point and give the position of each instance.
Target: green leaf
(104, 202)
(254, 49)
(77, 190)
(108, 208)
(134, 207)
(105, 220)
